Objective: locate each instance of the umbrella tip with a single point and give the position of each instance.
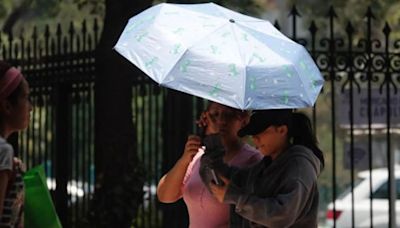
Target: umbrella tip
(231, 20)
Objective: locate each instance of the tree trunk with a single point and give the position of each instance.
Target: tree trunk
(119, 176)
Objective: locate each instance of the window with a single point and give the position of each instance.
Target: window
(382, 192)
(348, 188)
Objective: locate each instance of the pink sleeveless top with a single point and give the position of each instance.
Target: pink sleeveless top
(204, 210)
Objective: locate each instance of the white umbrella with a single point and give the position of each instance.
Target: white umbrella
(215, 53)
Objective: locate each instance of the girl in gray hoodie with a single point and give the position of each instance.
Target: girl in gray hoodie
(281, 190)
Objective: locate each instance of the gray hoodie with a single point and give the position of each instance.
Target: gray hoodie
(280, 193)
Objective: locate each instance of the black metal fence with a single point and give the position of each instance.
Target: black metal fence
(356, 117)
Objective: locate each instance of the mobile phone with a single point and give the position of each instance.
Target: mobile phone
(215, 178)
(213, 143)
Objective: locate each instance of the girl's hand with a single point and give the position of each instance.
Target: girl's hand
(208, 122)
(192, 147)
(18, 162)
(219, 190)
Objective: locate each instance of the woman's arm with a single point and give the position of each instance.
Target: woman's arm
(281, 210)
(169, 186)
(297, 192)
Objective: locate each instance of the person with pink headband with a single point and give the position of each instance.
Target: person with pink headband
(15, 109)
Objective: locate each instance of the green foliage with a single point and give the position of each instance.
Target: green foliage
(45, 8)
(5, 8)
(41, 12)
(351, 11)
(249, 7)
(40, 9)
(94, 7)
(3, 11)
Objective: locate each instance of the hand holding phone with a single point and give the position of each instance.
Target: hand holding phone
(207, 123)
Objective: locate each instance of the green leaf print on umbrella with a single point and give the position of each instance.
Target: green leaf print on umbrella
(303, 65)
(215, 90)
(252, 82)
(233, 70)
(175, 49)
(133, 26)
(258, 57)
(151, 62)
(314, 84)
(183, 67)
(288, 71)
(285, 97)
(178, 31)
(214, 49)
(140, 37)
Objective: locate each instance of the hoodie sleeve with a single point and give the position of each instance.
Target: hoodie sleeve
(209, 163)
(281, 210)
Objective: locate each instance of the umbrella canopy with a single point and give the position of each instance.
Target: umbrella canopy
(215, 53)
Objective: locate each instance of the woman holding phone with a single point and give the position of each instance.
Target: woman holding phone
(184, 181)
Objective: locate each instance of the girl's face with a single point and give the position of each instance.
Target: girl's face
(228, 121)
(271, 141)
(19, 113)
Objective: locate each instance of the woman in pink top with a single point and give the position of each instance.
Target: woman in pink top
(183, 180)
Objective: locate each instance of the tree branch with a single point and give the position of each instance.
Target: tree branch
(15, 15)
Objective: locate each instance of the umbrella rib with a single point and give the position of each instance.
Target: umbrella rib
(189, 47)
(243, 64)
(189, 9)
(247, 27)
(302, 79)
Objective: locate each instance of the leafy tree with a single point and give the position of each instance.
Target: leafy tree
(250, 7)
(13, 11)
(351, 11)
(25, 14)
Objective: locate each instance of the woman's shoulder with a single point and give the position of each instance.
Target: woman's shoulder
(300, 152)
(301, 159)
(6, 155)
(248, 155)
(6, 149)
(251, 151)
(248, 149)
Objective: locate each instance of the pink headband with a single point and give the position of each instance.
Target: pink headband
(9, 82)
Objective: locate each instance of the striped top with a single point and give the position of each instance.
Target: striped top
(12, 215)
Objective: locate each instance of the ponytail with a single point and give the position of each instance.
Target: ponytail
(302, 134)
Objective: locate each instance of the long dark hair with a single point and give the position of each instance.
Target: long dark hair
(301, 132)
(13, 97)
